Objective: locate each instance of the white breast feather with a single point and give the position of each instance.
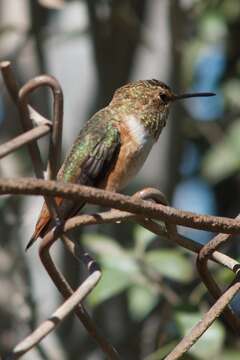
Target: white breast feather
(138, 131)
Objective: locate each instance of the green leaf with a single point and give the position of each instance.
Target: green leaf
(170, 263)
(141, 300)
(110, 254)
(224, 276)
(143, 238)
(124, 262)
(112, 283)
(101, 245)
(119, 267)
(210, 343)
(212, 27)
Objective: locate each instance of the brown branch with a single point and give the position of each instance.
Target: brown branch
(23, 139)
(29, 186)
(56, 134)
(66, 291)
(202, 266)
(20, 97)
(13, 88)
(142, 208)
(54, 160)
(53, 321)
(207, 320)
(55, 145)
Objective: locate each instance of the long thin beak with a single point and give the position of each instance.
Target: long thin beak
(190, 95)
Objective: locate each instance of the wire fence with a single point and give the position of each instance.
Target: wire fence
(143, 208)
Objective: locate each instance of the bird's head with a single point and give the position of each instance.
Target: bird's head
(150, 101)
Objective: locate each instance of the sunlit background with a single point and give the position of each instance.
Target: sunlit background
(92, 47)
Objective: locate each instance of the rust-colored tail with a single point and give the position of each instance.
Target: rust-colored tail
(42, 223)
(31, 241)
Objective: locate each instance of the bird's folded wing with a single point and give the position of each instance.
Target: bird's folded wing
(90, 160)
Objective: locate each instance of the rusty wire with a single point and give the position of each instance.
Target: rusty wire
(26, 113)
(56, 130)
(207, 278)
(144, 208)
(29, 186)
(52, 322)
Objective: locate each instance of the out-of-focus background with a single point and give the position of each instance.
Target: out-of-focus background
(92, 47)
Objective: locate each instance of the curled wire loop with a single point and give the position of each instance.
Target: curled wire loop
(56, 131)
(145, 207)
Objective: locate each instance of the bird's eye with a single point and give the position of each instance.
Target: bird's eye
(164, 98)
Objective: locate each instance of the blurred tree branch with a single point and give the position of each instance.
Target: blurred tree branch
(116, 29)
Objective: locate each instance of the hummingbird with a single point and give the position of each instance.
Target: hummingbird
(114, 144)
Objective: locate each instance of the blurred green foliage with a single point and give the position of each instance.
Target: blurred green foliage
(142, 274)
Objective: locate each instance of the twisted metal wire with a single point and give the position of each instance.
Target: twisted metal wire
(143, 208)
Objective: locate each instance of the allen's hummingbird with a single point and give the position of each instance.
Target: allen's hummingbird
(113, 145)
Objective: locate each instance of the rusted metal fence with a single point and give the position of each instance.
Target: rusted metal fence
(144, 207)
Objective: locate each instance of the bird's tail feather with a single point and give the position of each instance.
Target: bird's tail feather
(44, 223)
(39, 232)
(30, 243)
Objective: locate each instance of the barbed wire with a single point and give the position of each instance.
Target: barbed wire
(144, 208)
